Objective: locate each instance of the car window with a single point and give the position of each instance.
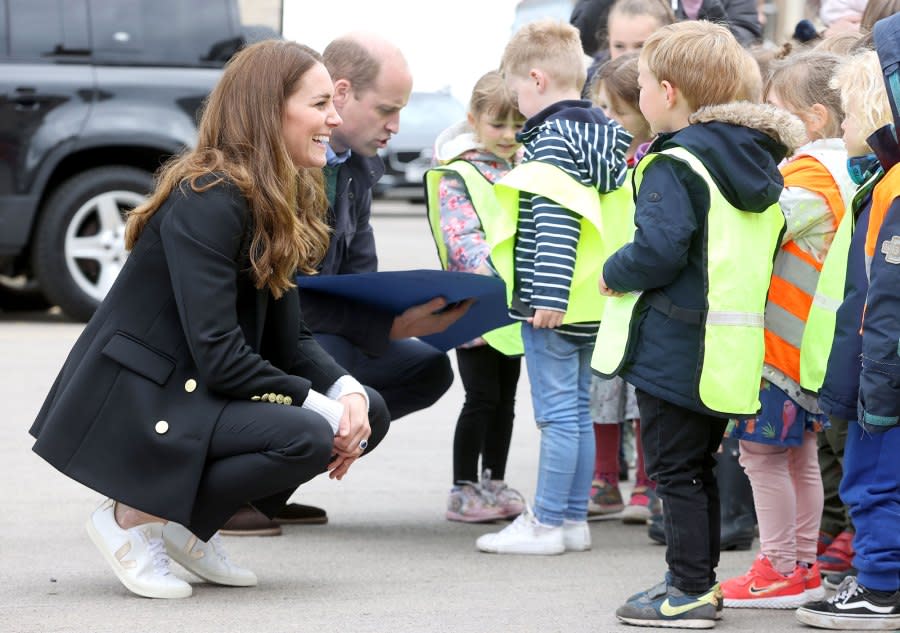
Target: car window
(425, 107)
(425, 116)
(43, 29)
(164, 32)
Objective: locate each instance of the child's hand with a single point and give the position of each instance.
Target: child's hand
(546, 318)
(606, 291)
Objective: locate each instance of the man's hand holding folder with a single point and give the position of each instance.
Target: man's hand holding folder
(431, 317)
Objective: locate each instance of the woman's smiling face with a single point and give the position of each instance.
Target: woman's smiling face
(309, 118)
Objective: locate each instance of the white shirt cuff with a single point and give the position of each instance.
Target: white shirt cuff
(328, 408)
(346, 385)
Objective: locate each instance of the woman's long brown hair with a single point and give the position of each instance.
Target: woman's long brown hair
(240, 139)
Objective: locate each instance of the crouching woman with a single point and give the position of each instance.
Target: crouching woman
(196, 388)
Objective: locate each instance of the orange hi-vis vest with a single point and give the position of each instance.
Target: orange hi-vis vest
(796, 272)
(882, 197)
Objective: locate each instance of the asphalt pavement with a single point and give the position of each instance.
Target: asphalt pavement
(387, 561)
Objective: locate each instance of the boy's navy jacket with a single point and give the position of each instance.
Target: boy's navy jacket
(741, 145)
(840, 389)
(879, 381)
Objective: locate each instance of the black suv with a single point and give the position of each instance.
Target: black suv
(94, 96)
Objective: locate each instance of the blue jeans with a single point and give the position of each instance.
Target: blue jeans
(559, 369)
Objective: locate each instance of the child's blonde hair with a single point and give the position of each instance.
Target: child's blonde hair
(703, 60)
(491, 96)
(840, 44)
(802, 80)
(752, 84)
(619, 77)
(861, 85)
(550, 45)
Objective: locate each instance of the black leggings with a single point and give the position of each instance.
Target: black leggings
(484, 427)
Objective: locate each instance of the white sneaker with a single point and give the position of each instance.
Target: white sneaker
(525, 535)
(137, 555)
(207, 560)
(576, 536)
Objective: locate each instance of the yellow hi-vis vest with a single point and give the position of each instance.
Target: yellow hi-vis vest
(506, 339)
(740, 248)
(818, 335)
(605, 222)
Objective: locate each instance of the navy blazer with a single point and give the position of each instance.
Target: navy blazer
(182, 332)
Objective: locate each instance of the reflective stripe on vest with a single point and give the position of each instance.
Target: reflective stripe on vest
(506, 339)
(795, 281)
(600, 213)
(739, 251)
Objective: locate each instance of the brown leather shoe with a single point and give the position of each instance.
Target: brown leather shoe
(248, 521)
(299, 514)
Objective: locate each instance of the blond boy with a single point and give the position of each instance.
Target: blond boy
(573, 153)
(708, 226)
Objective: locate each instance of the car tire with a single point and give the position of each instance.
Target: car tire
(80, 241)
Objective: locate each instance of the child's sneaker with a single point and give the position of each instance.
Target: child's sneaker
(825, 539)
(833, 581)
(763, 587)
(576, 536)
(510, 501)
(814, 591)
(525, 535)
(637, 512)
(467, 504)
(605, 499)
(854, 607)
(667, 606)
(838, 556)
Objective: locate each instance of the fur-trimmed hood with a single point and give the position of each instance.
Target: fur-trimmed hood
(741, 144)
(776, 123)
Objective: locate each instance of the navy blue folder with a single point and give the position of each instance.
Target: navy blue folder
(395, 291)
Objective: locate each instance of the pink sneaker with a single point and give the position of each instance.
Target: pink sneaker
(637, 512)
(467, 504)
(510, 501)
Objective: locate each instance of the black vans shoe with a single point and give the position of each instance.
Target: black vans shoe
(854, 608)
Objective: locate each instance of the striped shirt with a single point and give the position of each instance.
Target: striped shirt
(582, 142)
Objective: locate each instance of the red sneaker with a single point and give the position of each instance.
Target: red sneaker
(838, 556)
(763, 587)
(814, 590)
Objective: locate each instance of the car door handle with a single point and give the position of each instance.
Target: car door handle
(26, 99)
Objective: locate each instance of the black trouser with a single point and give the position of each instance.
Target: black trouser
(260, 452)
(410, 375)
(830, 444)
(485, 424)
(679, 455)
